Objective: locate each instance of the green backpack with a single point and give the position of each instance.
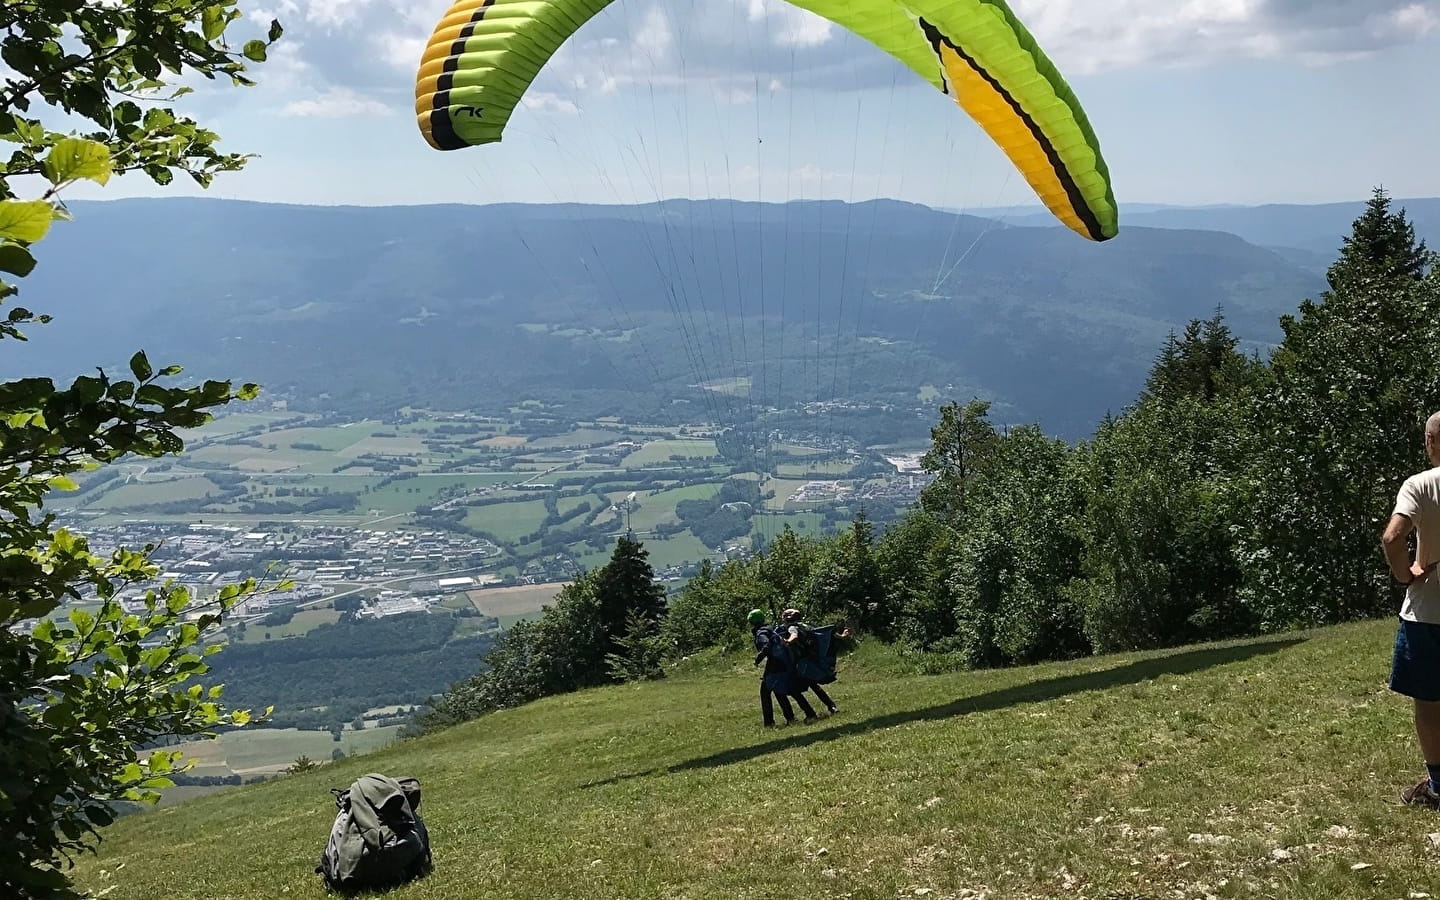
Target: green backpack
(378, 839)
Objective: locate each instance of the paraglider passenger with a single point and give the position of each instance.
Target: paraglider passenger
(795, 632)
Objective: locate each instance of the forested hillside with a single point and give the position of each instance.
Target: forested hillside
(625, 310)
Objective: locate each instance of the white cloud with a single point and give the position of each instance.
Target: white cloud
(789, 25)
(810, 31)
(734, 96)
(336, 103)
(1091, 35)
(285, 10)
(285, 66)
(334, 13)
(654, 36)
(343, 57)
(401, 51)
(544, 101)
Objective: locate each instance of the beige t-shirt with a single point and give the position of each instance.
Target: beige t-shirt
(1419, 501)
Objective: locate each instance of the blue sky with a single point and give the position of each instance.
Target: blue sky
(1194, 101)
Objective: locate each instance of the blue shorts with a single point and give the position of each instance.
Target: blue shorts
(1415, 669)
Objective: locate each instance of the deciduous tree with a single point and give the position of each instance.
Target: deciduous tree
(82, 693)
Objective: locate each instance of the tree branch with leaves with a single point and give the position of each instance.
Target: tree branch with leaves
(87, 691)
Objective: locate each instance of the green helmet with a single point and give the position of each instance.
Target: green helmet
(756, 617)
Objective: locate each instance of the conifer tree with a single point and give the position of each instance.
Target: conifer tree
(1340, 426)
(626, 584)
(1381, 246)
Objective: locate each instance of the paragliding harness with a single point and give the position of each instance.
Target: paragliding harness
(813, 655)
(378, 839)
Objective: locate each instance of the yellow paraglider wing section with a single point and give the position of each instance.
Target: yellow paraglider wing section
(484, 54)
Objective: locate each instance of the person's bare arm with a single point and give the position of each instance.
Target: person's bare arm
(1397, 554)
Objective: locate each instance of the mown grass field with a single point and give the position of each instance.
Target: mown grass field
(784, 489)
(1262, 768)
(673, 550)
(578, 438)
(806, 470)
(657, 453)
(507, 521)
(658, 507)
(301, 623)
(141, 493)
(263, 750)
(233, 423)
(514, 600)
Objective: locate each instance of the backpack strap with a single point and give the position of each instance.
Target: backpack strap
(411, 787)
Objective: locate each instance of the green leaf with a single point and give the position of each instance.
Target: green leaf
(82, 620)
(25, 220)
(213, 21)
(275, 30)
(140, 366)
(15, 259)
(254, 50)
(73, 158)
(63, 483)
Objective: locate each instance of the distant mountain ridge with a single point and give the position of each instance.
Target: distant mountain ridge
(1313, 228)
(366, 307)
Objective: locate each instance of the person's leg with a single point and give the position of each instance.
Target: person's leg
(767, 709)
(1415, 673)
(1427, 731)
(823, 697)
(785, 706)
(804, 705)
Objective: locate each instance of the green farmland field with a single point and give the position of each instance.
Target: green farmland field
(302, 623)
(658, 507)
(658, 453)
(141, 493)
(507, 521)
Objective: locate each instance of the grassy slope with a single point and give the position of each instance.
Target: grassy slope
(1175, 774)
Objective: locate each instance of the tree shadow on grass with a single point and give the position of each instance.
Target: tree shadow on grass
(1029, 692)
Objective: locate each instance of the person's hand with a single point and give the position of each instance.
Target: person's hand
(1420, 574)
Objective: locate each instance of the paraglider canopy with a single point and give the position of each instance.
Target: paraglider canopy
(483, 55)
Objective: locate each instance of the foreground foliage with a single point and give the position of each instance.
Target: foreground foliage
(80, 698)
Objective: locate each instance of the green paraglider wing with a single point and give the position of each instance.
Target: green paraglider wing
(484, 54)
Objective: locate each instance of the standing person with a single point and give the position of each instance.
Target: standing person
(777, 680)
(1415, 667)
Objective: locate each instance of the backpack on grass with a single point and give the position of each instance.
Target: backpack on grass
(378, 839)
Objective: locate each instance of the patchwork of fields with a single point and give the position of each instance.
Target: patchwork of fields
(564, 492)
